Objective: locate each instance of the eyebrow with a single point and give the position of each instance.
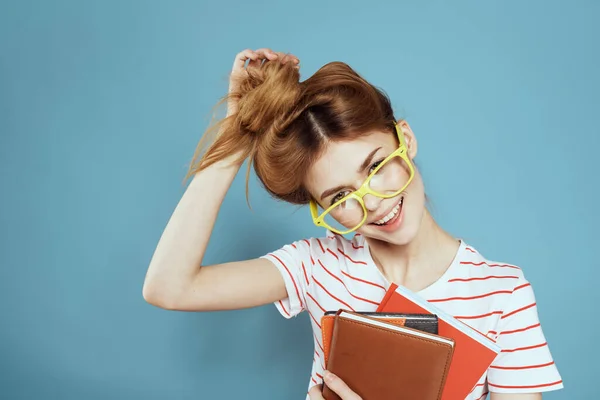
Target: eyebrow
(362, 167)
(368, 160)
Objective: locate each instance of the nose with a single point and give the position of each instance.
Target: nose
(372, 202)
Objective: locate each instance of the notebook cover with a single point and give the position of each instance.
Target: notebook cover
(473, 352)
(422, 322)
(379, 363)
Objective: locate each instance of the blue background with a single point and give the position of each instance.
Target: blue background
(102, 104)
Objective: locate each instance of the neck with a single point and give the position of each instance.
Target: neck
(420, 262)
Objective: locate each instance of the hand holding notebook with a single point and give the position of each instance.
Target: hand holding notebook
(381, 361)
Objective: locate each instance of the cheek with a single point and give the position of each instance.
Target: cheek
(416, 185)
(415, 198)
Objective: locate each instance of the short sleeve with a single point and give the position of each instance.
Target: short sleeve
(293, 262)
(525, 364)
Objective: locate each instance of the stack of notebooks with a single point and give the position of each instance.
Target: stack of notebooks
(407, 349)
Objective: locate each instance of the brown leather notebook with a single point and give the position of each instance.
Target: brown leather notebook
(422, 322)
(383, 361)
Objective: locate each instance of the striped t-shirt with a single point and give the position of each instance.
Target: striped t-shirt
(323, 274)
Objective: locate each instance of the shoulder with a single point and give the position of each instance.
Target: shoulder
(330, 244)
(312, 249)
(475, 266)
(503, 283)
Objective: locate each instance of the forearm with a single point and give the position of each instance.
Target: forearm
(181, 248)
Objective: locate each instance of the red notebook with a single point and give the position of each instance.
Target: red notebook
(473, 352)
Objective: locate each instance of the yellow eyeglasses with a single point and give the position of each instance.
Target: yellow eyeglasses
(387, 180)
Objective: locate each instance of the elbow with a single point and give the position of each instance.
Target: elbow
(150, 296)
(157, 297)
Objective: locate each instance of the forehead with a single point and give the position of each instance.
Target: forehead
(340, 160)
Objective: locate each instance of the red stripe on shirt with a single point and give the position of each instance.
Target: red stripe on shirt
(307, 242)
(519, 330)
(483, 279)
(333, 254)
(320, 244)
(314, 319)
(525, 387)
(316, 302)
(521, 287)
(482, 396)
(362, 280)
(313, 379)
(476, 386)
(312, 261)
(524, 367)
(319, 375)
(518, 311)
(471, 297)
(537, 346)
(348, 257)
(305, 276)
(284, 310)
(479, 316)
(489, 265)
(481, 333)
(319, 343)
(329, 293)
(292, 278)
(348, 290)
(357, 247)
(470, 249)
(320, 359)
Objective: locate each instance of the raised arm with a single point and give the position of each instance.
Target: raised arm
(176, 278)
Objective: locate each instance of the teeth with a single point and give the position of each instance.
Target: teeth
(390, 215)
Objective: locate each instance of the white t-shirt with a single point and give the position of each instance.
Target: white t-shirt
(323, 274)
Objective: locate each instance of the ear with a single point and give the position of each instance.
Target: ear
(409, 138)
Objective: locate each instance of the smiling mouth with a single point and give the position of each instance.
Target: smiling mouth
(391, 216)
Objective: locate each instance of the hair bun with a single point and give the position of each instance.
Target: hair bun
(266, 96)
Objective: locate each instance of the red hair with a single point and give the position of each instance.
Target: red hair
(282, 125)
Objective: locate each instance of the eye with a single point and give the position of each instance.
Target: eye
(375, 165)
(338, 197)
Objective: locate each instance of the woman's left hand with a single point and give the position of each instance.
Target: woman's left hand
(335, 384)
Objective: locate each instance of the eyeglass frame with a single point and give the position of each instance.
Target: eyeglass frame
(364, 189)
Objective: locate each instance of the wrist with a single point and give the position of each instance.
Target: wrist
(228, 166)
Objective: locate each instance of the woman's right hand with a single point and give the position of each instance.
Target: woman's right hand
(256, 57)
(334, 383)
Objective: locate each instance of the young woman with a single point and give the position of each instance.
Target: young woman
(332, 142)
